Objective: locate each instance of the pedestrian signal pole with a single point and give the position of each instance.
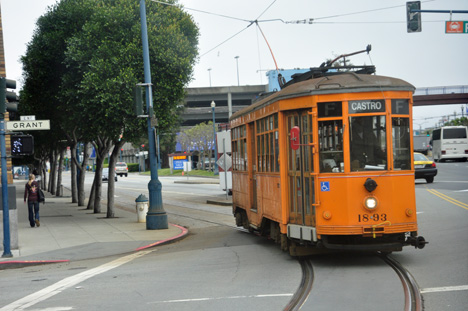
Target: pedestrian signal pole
(4, 84)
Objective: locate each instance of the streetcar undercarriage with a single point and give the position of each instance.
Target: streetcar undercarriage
(302, 240)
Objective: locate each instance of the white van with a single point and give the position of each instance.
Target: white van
(450, 142)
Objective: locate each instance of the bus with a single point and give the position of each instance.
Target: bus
(450, 142)
(327, 162)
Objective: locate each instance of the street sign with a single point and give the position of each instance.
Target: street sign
(456, 27)
(28, 125)
(225, 162)
(28, 118)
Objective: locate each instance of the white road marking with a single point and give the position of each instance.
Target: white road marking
(444, 289)
(68, 282)
(54, 309)
(221, 298)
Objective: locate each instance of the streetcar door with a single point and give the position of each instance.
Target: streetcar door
(301, 180)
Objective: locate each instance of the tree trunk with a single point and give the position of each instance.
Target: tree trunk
(59, 192)
(81, 192)
(111, 185)
(43, 169)
(102, 147)
(91, 196)
(73, 168)
(53, 171)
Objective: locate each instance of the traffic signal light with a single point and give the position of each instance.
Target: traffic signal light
(8, 100)
(413, 19)
(138, 101)
(22, 145)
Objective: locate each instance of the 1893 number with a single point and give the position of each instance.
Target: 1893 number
(373, 217)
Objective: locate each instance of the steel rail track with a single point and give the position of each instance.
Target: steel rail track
(413, 298)
(304, 289)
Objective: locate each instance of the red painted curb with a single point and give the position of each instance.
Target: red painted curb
(183, 233)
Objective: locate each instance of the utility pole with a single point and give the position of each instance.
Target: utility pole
(156, 218)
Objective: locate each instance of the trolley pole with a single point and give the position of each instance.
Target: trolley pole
(156, 218)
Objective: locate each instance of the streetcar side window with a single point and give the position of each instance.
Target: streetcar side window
(401, 144)
(239, 148)
(368, 143)
(331, 146)
(267, 144)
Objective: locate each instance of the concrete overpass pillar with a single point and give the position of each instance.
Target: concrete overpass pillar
(229, 104)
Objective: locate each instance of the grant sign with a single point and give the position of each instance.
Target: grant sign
(28, 125)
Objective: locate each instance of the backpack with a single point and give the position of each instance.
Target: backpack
(41, 196)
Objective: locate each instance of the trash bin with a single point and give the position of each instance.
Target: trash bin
(142, 207)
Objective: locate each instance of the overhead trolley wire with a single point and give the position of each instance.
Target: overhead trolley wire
(251, 22)
(201, 11)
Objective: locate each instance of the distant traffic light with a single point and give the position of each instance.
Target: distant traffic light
(413, 19)
(22, 145)
(8, 99)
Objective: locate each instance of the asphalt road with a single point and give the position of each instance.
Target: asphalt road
(218, 267)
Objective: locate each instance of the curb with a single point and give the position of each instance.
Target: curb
(14, 264)
(222, 203)
(212, 182)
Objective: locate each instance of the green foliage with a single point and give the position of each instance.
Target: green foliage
(167, 172)
(44, 67)
(86, 56)
(458, 121)
(133, 167)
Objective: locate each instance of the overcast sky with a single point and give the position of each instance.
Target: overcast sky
(430, 58)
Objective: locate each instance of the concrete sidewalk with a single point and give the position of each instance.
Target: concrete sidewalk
(70, 232)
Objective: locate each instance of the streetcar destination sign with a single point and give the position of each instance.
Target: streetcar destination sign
(28, 125)
(364, 106)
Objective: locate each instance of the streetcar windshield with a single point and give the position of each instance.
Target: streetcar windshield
(368, 143)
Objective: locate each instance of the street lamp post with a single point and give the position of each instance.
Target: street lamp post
(209, 75)
(156, 218)
(213, 106)
(237, 65)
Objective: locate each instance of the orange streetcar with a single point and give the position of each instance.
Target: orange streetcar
(326, 162)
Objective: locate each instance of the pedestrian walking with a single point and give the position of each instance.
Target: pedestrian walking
(31, 192)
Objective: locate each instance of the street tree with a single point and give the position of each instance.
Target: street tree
(43, 70)
(107, 56)
(82, 64)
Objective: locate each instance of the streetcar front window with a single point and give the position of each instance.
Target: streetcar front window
(401, 144)
(368, 143)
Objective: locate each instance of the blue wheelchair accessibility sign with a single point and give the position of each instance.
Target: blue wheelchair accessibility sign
(324, 186)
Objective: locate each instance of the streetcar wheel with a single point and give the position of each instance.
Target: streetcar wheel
(284, 243)
(239, 221)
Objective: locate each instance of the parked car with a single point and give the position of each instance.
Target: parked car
(206, 165)
(121, 169)
(424, 168)
(105, 174)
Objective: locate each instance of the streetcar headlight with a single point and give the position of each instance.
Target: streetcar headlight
(370, 203)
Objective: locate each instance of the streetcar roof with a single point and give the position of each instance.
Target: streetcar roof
(347, 82)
